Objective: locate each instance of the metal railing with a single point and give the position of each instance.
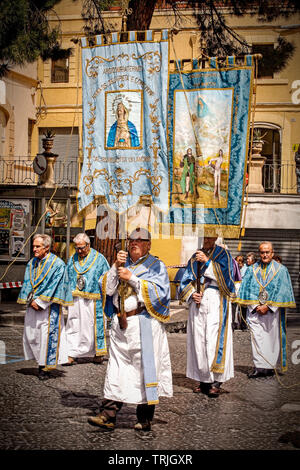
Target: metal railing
(279, 178)
(19, 171)
(276, 178)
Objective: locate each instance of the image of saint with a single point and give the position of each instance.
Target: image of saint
(187, 181)
(123, 132)
(217, 172)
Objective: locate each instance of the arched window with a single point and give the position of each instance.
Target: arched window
(272, 152)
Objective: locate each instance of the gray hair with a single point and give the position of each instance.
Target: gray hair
(81, 237)
(266, 243)
(47, 240)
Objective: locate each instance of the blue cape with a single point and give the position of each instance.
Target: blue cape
(46, 279)
(134, 138)
(274, 278)
(155, 287)
(223, 269)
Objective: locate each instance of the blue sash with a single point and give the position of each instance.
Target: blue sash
(150, 378)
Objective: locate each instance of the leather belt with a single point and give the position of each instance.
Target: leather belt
(135, 312)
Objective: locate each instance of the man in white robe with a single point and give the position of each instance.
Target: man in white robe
(139, 368)
(267, 291)
(85, 328)
(44, 337)
(209, 332)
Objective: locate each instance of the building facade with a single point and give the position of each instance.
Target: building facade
(272, 210)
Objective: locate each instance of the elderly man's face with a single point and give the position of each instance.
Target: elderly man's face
(82, 248)
(266, 252)
(209, 243)
(138, 248)
(39, 249)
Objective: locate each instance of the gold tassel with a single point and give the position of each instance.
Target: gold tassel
(243, 232)
(239, 246)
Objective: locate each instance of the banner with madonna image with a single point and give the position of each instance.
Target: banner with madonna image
(208, 127)
(124, 91)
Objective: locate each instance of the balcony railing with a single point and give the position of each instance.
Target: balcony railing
(19, 171)
(276, 178)
(279, 178)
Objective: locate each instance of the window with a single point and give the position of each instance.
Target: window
(272, 169)
(265, 65)
(66, 146)
(60, 71)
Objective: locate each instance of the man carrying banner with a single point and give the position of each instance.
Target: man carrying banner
(85, 328)
(267, 291)
(44, 336)
(208, 286)
(139, 368)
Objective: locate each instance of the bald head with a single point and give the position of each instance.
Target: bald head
(266, 252)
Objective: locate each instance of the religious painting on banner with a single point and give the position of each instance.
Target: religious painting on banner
(125, 89)
(208, 129)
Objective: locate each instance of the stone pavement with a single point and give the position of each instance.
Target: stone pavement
(261, 414)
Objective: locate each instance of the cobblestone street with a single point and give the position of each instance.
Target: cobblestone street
(261, 414)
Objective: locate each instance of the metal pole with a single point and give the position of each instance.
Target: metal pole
(68, 228)
(43, 208)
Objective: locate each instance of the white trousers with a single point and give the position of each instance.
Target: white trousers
(265, 338)
(80, 328)
(35, 337)
(124, 379)
(202, 335)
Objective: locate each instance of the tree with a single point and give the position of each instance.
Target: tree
(25, 33)
(216, 34)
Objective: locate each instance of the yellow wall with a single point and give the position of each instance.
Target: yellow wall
(274, 97)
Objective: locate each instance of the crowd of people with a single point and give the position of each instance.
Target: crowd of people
(134, 294)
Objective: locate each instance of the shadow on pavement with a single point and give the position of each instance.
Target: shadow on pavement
(34, 372)
(182, 381)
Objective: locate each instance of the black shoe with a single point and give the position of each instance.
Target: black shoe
(98, 360)
(43, 375)
(257, 373)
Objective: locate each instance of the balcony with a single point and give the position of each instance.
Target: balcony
(279, 178)
(19, 171)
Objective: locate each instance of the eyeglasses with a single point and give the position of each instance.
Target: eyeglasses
(80, 248)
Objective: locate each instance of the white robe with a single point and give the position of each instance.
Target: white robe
(202, 335)
(124, 379)
(265, 337)
(80, 328)
(35, 336)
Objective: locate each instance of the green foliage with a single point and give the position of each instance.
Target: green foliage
(25, 33)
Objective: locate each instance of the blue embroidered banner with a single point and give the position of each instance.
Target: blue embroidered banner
(208, 129)
(124, 88)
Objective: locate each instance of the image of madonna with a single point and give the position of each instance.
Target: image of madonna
(123, 132)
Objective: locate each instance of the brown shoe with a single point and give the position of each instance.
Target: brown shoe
(101, 421)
